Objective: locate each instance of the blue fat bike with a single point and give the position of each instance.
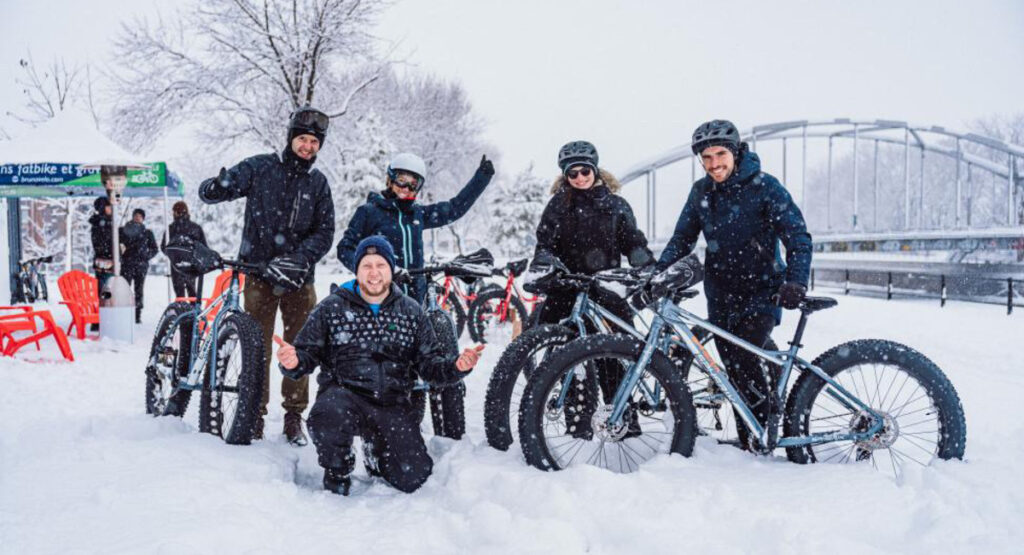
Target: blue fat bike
(870, 401)
(216, 349)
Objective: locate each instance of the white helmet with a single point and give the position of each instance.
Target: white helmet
(409, 163)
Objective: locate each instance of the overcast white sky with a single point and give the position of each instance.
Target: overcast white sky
(636, 77)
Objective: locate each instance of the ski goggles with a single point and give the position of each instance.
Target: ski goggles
(311, 119)
(406, 181)
(585, 171)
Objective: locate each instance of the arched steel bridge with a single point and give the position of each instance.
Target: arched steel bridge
(843, 227)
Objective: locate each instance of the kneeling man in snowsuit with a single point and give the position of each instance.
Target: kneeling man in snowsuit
(371, 342)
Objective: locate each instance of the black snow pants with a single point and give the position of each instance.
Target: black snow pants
(184, 286)
(136, 277)
(390, 433)
(746, 371)
(558, 306)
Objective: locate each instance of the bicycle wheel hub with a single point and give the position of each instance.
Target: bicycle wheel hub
(884, 438)
(602, 430)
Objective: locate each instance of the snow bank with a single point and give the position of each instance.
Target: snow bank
(83, 469)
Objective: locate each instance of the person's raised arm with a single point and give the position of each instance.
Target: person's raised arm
(230, 184)
(444, 213)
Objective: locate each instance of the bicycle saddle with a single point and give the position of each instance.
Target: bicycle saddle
(468, 267)
(814, 304)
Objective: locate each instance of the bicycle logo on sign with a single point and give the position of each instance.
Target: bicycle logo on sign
(147, 177)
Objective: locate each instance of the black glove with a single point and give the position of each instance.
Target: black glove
(790, 295)
(401, 276)
(486, 166)
(287, 272)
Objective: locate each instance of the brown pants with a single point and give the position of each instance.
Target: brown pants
(262, 304)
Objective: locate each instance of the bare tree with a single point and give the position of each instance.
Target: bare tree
(48, 90)
(241, 66)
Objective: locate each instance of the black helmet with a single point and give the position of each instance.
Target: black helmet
(308, 121)
(717, 132)
(100, 203)
(576, 153)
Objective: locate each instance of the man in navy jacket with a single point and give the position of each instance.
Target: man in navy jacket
(744, 215)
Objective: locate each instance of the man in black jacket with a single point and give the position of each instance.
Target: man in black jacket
(744, 215)
(138, 247)
(182, 229)
(289, 227)
(370, 342)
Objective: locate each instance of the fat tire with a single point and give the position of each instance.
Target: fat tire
(532, 409)
(477, 325)
(250, 382)
(953, 432)
(514, 361)
(178, 402)
(447, 404)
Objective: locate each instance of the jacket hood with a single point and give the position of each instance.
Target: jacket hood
(393, 204)
(750, 166)
(605, 178)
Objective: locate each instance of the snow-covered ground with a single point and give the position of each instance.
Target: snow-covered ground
(84, 470)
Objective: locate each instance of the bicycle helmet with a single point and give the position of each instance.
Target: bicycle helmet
(577, 153)
(409, 163)
(717, 132)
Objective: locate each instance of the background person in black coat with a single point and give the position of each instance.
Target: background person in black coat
(588, 228)
(744, 214)
(138, 246)
(289, 227)
(370, 342)
(101, 232)
(182, 229)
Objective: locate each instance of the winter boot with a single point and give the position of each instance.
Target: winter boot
(293, 429)
(336, 481)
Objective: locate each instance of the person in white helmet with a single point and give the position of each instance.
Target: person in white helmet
(395, 215)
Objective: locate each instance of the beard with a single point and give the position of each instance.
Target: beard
(374, 289)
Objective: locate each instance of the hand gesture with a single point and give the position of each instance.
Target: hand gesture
(486, 166)
(468, 358)
(286, 354)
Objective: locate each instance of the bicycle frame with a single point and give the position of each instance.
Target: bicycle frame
(203, 347)
(680, 321)
(512, 288)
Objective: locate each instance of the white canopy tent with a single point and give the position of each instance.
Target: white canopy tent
(49, 161)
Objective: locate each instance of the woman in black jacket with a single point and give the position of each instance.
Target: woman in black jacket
(182, 228)
(588, 228)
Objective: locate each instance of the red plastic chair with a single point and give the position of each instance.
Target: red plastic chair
(80, 296)
(29, 324)
(9, 344)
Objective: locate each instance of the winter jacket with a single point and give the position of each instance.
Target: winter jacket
(102, 234)
(183, 227)
(139, 246)
(402, 223)
(592, 229)
(288, 207)
(377, 356)
(744, 220)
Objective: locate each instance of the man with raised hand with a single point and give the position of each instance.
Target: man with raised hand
(371, 342)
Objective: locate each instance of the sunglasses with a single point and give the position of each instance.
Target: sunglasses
(573, 174)
(310, 118)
